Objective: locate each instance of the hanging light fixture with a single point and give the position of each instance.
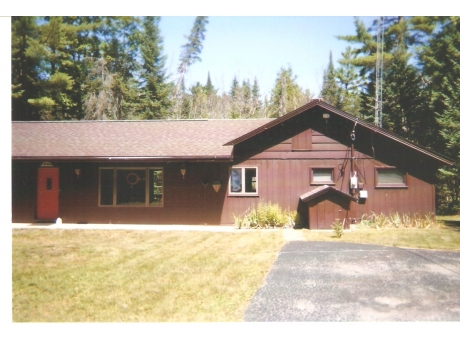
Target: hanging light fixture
(183, 170)
(216, 184)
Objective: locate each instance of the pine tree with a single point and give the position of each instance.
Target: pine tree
(330, 90)
(26, 55)
(286, 95)
(349, 83)
(192, 49)
(155, 90)
(441, 66)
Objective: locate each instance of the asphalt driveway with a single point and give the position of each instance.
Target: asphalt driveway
(335, 281)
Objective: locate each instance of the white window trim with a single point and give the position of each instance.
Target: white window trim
(114, 187)
(243, 181)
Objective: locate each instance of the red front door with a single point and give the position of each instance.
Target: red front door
(48, 193)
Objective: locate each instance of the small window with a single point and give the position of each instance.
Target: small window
(390, 177)
(243, 180)
(322, 176)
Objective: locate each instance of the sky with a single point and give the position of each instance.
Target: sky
(251, 47)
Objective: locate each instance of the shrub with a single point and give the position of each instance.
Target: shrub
(396, 220)
(266, 215)
(337, 227)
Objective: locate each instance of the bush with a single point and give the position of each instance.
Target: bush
(396, 220)
(266, 215)
(337, 227)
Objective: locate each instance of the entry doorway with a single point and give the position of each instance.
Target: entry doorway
(326, 209)
(47, 193)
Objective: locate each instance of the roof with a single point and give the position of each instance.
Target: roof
(164, 139)
(325, 106)
(321, 190)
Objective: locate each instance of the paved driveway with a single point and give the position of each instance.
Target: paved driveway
(333, 281)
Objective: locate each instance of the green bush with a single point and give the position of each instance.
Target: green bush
(266, 215)
(337, 227)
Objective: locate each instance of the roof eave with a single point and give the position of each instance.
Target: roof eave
(195, 158)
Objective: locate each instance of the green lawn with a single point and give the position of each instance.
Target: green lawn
(171, 276)
(123, 276)
(445, 236)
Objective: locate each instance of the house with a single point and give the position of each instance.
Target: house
(318, 160)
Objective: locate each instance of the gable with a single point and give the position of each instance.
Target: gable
(327, 132)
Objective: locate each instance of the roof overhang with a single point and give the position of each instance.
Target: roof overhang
(321, 190)
(203, 158)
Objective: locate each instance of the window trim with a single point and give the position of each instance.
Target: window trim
(379, 185)
(245, 194)
(114, 187)
(313, 182)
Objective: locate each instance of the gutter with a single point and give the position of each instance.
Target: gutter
(196, 158)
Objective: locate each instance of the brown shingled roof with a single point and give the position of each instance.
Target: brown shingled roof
(168, 139)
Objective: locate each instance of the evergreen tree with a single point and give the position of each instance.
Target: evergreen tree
(441, 66)
(210, 90)
(155, 91)
(192, 49)
(330, 90)
(26, 56)
(286, 95)
(349, 83)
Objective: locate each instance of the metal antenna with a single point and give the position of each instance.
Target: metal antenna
(379, 73)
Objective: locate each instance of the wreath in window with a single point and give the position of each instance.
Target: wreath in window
(132, 178)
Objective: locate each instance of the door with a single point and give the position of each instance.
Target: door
(326, 209)
(48, 193)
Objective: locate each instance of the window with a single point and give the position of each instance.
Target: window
(322, 176)
(390, 177)
(131, 187)
(243, 181)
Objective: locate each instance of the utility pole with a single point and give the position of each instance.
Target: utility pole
(379, 73)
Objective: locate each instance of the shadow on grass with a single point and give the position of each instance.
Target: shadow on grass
(454, 225)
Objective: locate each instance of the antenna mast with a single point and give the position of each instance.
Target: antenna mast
(379, 73)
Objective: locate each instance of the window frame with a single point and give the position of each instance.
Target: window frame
(243, 192)
(312, 172)
(379, 185)
(147, 202)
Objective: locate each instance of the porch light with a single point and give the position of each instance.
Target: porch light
(216, 184)
(326, 115)
(183, 170)
(77, 172)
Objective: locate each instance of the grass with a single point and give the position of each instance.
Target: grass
(147, 276)
(445, 237)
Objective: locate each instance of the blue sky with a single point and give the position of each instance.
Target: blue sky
(248, 47)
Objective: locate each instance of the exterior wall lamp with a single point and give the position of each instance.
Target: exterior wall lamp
(216, 184)
(77, 172)
(183, 170)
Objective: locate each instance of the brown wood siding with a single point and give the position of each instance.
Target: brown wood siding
(302, 141)
(284, 176)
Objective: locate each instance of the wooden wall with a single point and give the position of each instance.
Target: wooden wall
(284, 175)
(283, 163)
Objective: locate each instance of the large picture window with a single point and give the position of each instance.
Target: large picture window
(243, 181)
(390, 177)
(131, 186)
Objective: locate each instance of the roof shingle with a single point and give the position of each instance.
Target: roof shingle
(185, 139)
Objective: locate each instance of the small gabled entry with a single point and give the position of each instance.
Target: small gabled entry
(47, 193)
(326, 204)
